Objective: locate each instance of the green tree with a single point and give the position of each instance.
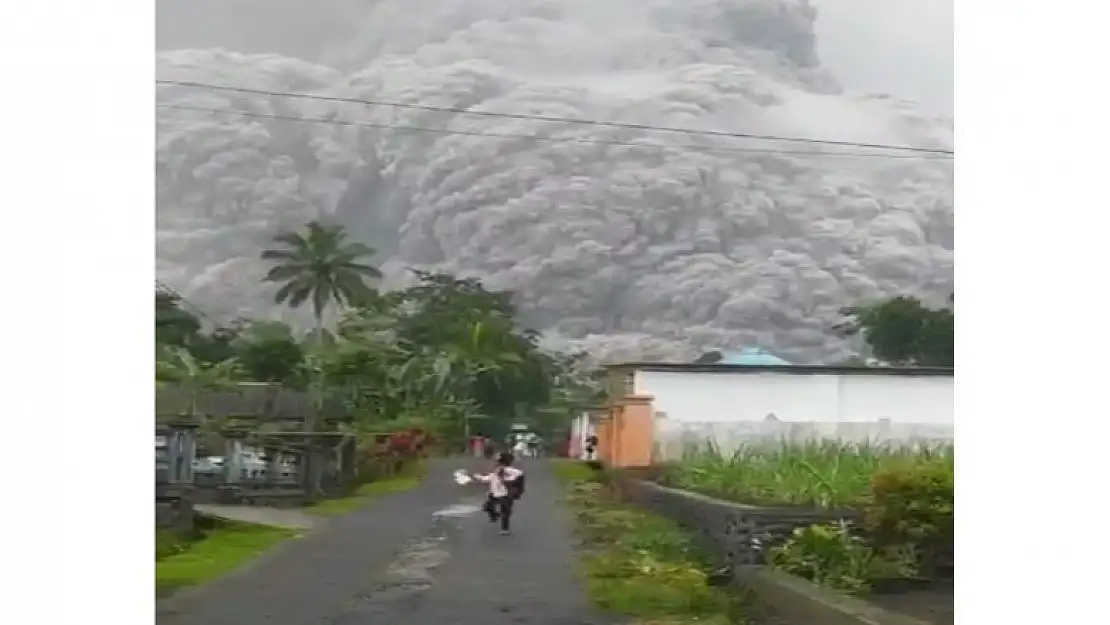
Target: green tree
(267, 351)
(445, 351)
(219, 344)
(506, 374)
(176, 326)
(903, 331)
(321, 265)
(173, 325)
(441, 308)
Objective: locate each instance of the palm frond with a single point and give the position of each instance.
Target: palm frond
(282, 273)
(369, 271)
(351, 280)
(284, 293)
(321, 295)
(300, 294)
(295, 292)
(280, 254)
(323, 235)
(356, 250)
(293, 239)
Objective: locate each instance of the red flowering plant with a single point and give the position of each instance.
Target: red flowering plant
(401, 442)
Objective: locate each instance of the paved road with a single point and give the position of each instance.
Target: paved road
(416, 558)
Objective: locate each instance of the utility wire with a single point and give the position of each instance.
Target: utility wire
(565, 120)
(444, 131)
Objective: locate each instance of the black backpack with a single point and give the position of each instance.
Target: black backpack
(516, 487)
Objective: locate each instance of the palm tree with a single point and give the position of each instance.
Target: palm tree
(322, 265)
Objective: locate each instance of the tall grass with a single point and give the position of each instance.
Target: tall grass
(823, 473)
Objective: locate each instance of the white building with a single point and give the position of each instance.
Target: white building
(731, 404)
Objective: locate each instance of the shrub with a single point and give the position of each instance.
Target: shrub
(912, 506)
(387, 454)
(830, 555)
(904, 492)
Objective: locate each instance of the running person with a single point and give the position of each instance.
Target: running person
(591, 447)
(505, 483)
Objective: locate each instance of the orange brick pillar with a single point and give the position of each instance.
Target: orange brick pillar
(603, 429)
(633, 432)
(613, 429)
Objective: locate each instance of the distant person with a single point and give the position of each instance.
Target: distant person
(591, 447)
(506, 485)
(521, 448)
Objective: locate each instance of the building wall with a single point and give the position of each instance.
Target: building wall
(733, 408)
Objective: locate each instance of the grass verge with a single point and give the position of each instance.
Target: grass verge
(640, 565)
(365, 493)
(223, 546)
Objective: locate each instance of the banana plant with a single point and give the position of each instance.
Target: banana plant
(178, 367)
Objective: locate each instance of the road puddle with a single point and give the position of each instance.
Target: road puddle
(459, 510)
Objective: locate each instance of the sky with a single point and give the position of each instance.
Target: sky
(899, 47)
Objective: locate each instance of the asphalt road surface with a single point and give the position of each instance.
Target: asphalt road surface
(423, 557)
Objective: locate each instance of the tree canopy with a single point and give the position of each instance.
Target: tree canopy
(903, 331)
(445, 353)
(173, 325)
(321, 265)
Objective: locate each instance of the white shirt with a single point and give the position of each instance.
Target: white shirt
(497, 486)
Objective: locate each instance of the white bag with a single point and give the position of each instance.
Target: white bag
(462, 477)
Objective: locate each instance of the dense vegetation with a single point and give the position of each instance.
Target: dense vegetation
(904, 495)
(640, 565)
(903, 331)
(445, 354)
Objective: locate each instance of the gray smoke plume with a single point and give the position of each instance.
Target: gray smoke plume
(663, 248)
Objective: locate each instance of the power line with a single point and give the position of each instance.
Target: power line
(565, 120)
(444, 131)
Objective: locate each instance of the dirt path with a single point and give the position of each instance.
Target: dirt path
(416, 558)
(275, 517)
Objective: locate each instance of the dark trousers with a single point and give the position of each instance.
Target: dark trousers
(499, 508)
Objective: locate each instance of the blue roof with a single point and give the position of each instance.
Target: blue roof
(750, 356)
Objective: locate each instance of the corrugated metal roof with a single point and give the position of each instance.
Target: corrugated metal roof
(750, 356)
